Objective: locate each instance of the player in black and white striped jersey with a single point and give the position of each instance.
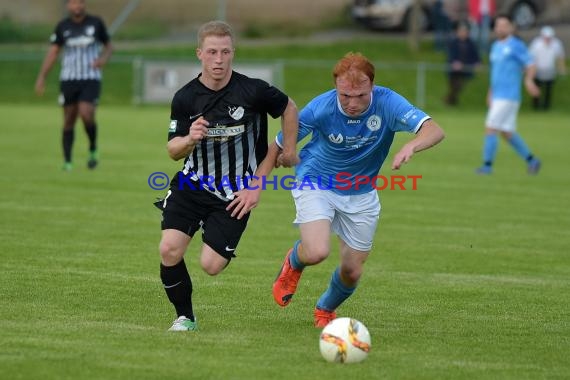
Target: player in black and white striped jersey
(86, 48)
(218, 125)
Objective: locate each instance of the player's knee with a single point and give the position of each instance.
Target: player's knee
(88, 121)
(316, 254)
(213, 263)
(170, 254)
(211, 268)
(351, 275)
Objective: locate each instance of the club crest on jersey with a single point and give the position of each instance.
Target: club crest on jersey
(172, 127)
(336, 139)
(236, 112)
(90, 30)
(374, 123)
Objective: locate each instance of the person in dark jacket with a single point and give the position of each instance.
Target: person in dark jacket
(463, 58)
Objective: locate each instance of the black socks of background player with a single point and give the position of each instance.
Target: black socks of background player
(178, 288)
(67, 142)
(68, 136)
(91, 130)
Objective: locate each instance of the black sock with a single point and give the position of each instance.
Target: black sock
(91, 130)
(67, 141)
(178, 288)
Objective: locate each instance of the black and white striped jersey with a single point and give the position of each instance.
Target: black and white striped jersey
(225, 161)
(81, 43)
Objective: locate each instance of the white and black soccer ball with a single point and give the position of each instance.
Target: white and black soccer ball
(345, 340)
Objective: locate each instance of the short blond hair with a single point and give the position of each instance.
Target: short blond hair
(214, 28)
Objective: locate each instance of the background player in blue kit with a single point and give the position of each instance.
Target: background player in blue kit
(509, 59)
(352, 128)
(81, 36)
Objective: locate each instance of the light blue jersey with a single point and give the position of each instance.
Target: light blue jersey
(509, 58)
(343, 147)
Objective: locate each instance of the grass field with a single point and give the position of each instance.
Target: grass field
(469, 277)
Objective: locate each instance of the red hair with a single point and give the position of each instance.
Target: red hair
(353, 65)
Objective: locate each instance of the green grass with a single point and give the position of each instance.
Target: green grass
(469, 276)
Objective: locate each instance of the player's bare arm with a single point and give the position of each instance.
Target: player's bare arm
(181, 146)
(290, 126)
(49, 61)
(530, 85)
(430, 134)
(104, 57)
(247, 199)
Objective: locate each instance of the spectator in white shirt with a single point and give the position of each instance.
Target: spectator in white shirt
(549, 57)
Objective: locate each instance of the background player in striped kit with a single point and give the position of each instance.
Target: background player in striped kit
(80, 36)
(218, 125)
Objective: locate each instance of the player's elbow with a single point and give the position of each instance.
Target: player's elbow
(173, 153)
(440, 135)
(175, 156)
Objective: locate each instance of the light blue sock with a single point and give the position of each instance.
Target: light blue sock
(336, 293)
(294, 257)
(520, 146)
(490, 149)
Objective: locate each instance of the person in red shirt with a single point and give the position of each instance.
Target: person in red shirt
(481, 13)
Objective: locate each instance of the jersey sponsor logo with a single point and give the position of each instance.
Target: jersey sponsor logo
(357, 142)
(223, 131)
(336, 139)
(236, 112)
(172, 127)
(409, 118)
(80, 41)
(353, 121)
(374, 123)
(409, 115)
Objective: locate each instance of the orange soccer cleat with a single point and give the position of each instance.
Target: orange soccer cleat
(323, 317)
(286, 282)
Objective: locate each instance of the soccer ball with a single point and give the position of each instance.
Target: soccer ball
(345, 340)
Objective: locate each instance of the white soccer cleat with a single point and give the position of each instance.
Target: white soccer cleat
(183, 324)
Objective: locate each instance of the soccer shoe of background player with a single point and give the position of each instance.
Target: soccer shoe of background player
(183, 324)
(286, 282)
(67, 167)
(323, 317)
(484, 170)
(93, 160)
(533, 166)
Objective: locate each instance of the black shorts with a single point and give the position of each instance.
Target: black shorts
(189, 210)
(75, 91)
